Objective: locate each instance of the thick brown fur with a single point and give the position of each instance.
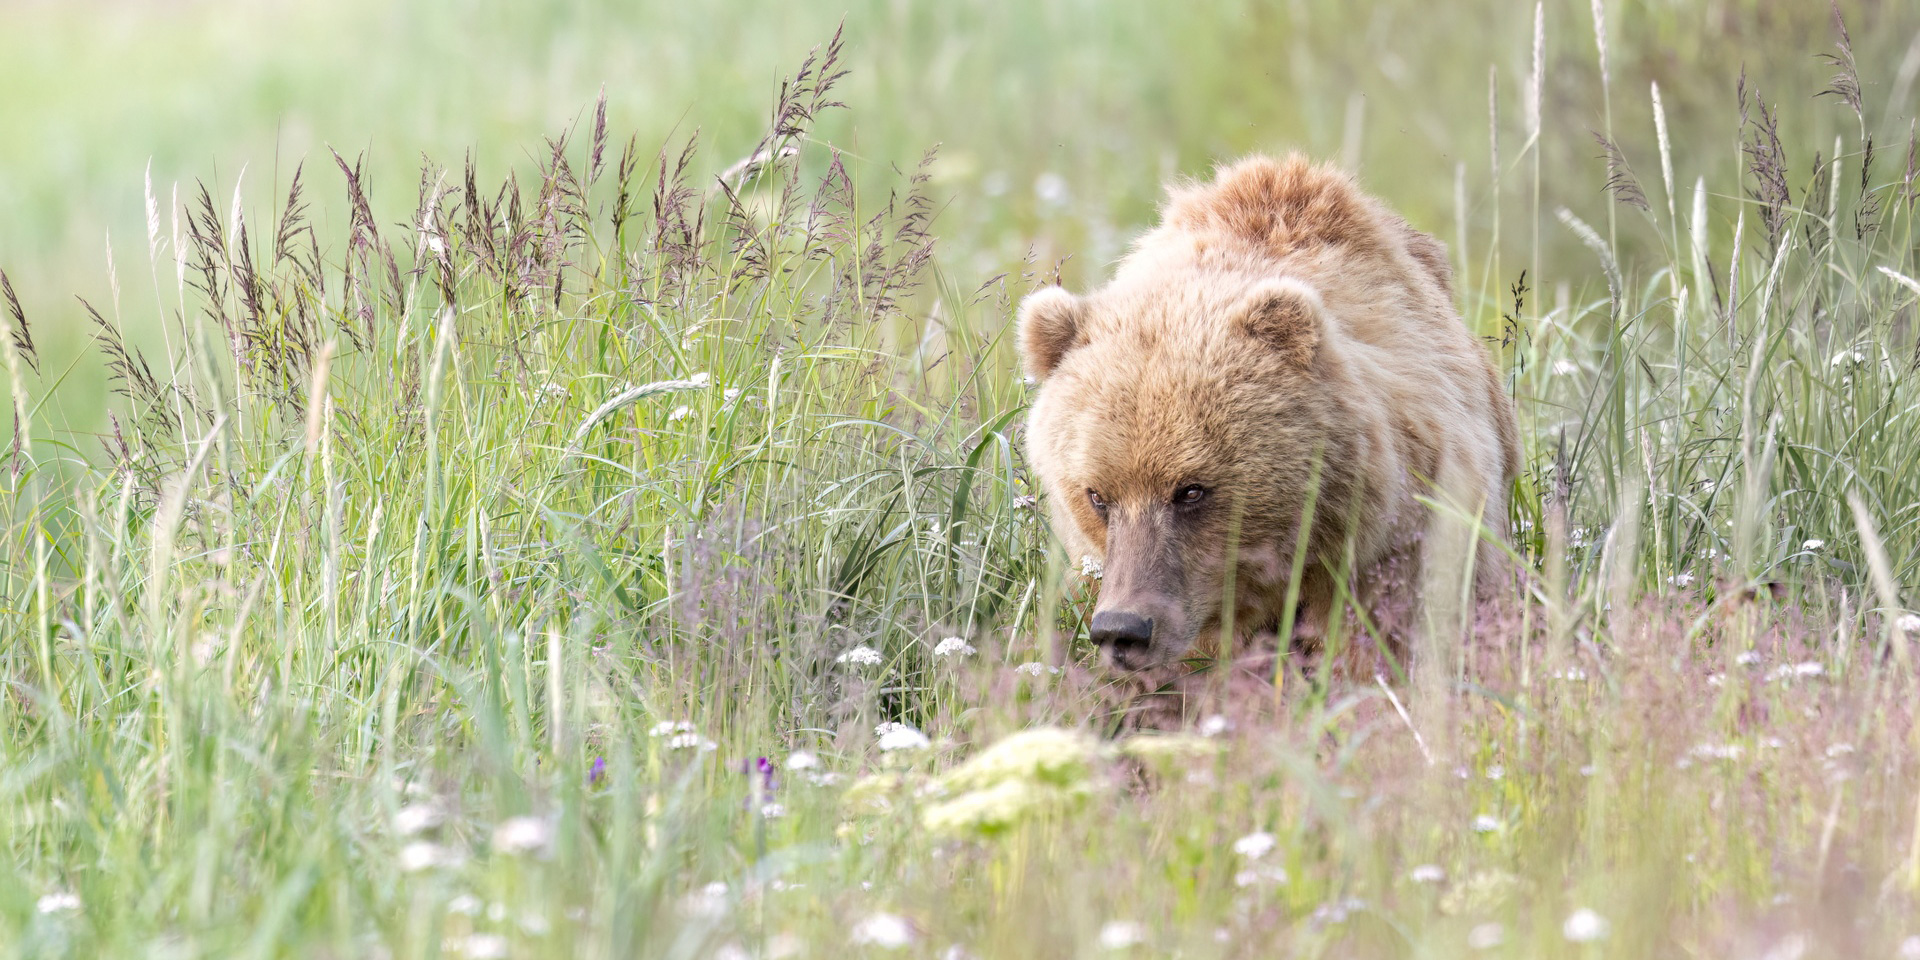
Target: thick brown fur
(1281, 337)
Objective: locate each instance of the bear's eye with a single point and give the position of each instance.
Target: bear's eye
(1189, 495)
(1099, 505)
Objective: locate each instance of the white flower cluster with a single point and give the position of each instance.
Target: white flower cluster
(1584, 926)
(1254, 845)
(681, 735)
(424, 855)
(417, 818)
(1790, 671)
(59, 901)
(893, 736)
(861, 656)
(953, 647)
(884, 930)
(1121, 934)
(523, 835)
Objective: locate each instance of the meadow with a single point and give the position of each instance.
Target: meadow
(565, 498)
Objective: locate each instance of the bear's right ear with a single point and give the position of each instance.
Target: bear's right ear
(1284, 314)
(1051, 323)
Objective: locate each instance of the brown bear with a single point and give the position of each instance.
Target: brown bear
(1280, 343)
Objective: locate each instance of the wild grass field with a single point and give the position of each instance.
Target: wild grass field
(512, 521)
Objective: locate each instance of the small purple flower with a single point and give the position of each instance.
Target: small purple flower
(762, 766)
(599, 770)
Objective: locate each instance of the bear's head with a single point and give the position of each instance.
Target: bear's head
(1179, 431)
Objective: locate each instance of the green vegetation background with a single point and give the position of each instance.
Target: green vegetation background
(1112, 98)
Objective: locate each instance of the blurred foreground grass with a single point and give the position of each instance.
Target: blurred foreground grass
(614, 564)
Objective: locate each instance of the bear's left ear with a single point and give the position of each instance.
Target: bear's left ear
(1050, 325)
(1286, 315)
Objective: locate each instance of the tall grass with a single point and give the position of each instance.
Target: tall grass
(530, 577)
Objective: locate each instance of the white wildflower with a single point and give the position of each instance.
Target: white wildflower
(1682, 579)
(1496, 772)
(517, 835)
(1788, 671)
(1907, 623)
(1849, 357)
(1214, 726)
(1260, 875)
(1813, 545)
(707, 903)
(1748, 658)
(1121, 934)
(1035, 669)
(669, 728)
(481, 946)
(861, 656)
(1051, 190)
(422, 855)
(802, 760)
(1254, 845)
(701, 379)
(1485, 823)
(1090, 568)
(1718, 751)
(1486, 936)
(1584, 926)
(1839, 750)
(773, 811)
(1025, 502)
(691, 741)
(1909, 948)
(1337, 911)
(679, 413)
(466, 905)
(953, 646)
(59, 901)
(883, 930)
(893, 736)
(1793, 946)
(1427, 873)
(416, 818)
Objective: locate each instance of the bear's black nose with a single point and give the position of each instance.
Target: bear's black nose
(1121, 630)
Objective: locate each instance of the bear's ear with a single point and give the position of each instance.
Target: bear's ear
(1051, 323)
(1286, 315)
